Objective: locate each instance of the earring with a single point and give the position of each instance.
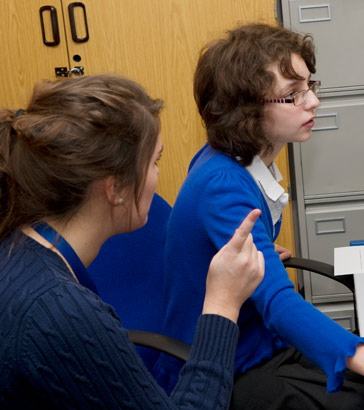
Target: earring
(120, 201)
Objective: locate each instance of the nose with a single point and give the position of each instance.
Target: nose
(312, 100)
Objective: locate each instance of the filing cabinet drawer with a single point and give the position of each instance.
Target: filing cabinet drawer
(336, 26)
(332, 160)
(342, 313)
(330, 226)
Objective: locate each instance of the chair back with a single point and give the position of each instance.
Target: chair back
(128, 274)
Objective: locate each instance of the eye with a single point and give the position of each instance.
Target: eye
(156, 162)
(290, 95)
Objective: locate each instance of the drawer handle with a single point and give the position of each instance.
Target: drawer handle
(332, 125)
(303, 12)
(322, 226)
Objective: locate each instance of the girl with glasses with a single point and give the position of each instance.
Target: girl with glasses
(255, 93)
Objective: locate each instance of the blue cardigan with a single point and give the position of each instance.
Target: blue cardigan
(215, 197)
(61, 346)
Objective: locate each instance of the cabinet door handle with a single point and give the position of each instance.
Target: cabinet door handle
(54, 21)
(71, 12)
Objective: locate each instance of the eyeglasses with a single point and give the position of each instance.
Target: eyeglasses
(299, 97)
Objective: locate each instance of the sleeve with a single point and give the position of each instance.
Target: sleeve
(74, 351)
(228, 197)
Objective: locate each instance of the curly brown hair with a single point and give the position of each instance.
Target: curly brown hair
(232, 76)
(73, 132)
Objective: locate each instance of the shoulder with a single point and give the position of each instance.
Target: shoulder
(213, 169)
(28, 270)
(210, 159)
(218, 187)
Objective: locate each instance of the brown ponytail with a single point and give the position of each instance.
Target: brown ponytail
(7, 191)
(73, 133)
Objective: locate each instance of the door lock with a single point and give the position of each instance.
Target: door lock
(79, 70)
(64, 72)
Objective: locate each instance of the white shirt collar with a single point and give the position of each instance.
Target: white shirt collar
(267, 180)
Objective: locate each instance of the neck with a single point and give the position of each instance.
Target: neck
(89, 228)
(268, 158)
(61, 246)
(84, 238)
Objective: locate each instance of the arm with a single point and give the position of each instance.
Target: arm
(284, 312)
(75, 351)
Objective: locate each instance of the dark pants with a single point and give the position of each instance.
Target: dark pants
(291, 382)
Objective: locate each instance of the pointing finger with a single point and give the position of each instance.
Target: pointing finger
(242, 233)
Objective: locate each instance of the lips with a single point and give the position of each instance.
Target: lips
(310, 123)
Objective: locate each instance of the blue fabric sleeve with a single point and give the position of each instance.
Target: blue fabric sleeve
(229, 195)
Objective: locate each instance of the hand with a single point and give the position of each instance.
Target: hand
(282, 252)
(235, 272)
(356, 362)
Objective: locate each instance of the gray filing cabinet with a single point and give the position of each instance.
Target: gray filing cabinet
(328, 171)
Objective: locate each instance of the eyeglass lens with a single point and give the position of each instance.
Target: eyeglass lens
(301, 96)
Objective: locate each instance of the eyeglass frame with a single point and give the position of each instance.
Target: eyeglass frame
(291, 100)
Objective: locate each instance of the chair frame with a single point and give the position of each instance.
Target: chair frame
(165, 344)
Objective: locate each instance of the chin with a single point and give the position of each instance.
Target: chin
(306, 137)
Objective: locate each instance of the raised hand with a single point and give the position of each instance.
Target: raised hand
(235, 272)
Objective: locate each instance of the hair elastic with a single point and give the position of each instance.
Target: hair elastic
(18, 113)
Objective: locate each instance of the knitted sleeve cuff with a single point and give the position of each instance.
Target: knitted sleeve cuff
(215, 340)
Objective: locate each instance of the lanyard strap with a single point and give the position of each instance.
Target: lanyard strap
(69, 254)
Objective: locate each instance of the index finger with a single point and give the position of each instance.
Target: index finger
(242, 233)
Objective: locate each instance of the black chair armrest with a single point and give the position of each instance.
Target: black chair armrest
(165, 344)
(321, 268)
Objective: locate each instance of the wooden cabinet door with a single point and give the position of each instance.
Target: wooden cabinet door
(24, 57)
(157, 43)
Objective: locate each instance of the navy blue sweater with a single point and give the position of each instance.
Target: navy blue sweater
(63, 347)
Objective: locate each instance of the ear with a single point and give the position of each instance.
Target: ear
(112, 191)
